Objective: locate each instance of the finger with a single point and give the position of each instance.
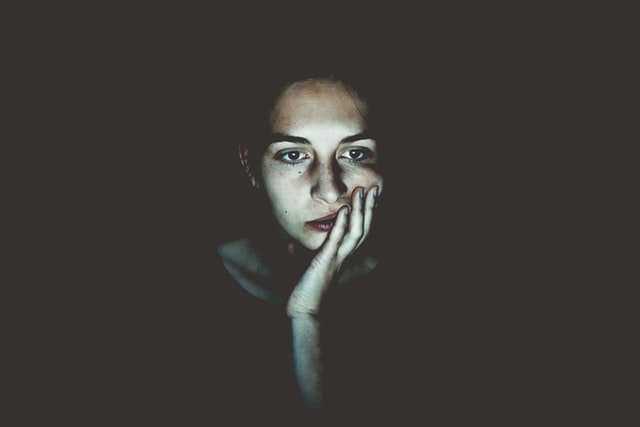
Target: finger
(356, 222)
(337, 233)
(370, 204)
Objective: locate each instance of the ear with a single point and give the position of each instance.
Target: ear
(243, 153)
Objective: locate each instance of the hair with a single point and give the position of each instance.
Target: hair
(253, 129)
(262, 93)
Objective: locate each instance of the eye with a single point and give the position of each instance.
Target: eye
(292, 156)
(356, 154)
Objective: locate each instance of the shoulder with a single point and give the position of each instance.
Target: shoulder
(248, 267)
(233, 251)
(241, 254)
(234, 257)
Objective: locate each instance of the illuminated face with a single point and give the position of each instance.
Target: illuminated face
(319, 153)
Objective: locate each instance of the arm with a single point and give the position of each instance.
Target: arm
(306, 358)
(304, 304)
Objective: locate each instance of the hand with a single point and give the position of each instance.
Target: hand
(351, 228)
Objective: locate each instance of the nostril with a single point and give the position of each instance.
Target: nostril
(329, 186)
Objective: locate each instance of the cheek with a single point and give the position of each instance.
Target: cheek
(366, 179)
(280, 190)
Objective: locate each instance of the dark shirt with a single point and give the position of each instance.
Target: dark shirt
(184, 344)
(253, 361)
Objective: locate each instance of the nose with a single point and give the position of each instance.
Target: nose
(328, 185)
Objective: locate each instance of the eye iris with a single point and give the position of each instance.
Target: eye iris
(294, 155)
(354, 153)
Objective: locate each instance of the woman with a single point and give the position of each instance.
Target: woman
(308, 327)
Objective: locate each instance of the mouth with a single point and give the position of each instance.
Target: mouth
(323, 224)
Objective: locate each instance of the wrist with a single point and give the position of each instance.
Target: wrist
(295, 310)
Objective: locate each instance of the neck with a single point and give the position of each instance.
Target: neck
(270, 269)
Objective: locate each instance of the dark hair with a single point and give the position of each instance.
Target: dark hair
(261, 93)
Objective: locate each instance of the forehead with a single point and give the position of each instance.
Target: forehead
(317, 102)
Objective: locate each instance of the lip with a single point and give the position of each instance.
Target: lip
(323, 224)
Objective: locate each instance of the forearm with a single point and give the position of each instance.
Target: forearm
(351, 226)
(307, 358)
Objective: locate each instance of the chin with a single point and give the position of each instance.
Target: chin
(312, 244)
(311, 247)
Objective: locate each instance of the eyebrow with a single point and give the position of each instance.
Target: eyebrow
(283, 137)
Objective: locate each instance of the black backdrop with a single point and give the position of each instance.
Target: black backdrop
(487, 225)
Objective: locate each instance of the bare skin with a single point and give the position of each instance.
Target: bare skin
(304, 303)
(320, 176)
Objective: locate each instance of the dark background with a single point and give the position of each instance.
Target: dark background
(495, 171)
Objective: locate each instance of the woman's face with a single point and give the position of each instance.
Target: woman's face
(319, 153)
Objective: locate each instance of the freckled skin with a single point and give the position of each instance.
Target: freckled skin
(320, 160)
(305, 182)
